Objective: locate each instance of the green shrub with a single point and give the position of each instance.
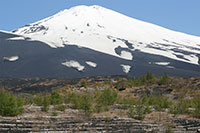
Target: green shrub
(45, 103)
(108, 97)
(137, 113)
(83, 84)
(164, 79)
(144, 79)
(149, 76)
(99, 108)
(54, 113)
(55, 98)
(82, 101)
(104, 99)
(180, 107)
(46, 100)
(140, 81)
(60, 107)
(131, 112)
(140, 112)
(75, 99)
(159, 102)
(145, 100)
(147, 110)
(86, 104)
(38, 99)
(10, 105)
(196, 105)
(68, 99)
(28, 100)
(126, 102)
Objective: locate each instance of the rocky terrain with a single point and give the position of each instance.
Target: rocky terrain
(33, 120)
(70, 116)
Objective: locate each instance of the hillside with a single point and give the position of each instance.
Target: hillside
(145, 104)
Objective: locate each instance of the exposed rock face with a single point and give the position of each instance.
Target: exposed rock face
(92, 124)
(72, 124)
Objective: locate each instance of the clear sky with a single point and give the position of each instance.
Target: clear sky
(179, 15)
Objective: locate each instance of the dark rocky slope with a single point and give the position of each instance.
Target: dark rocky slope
(37, 59)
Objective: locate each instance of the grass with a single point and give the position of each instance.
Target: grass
(60, 107)
(196, 105)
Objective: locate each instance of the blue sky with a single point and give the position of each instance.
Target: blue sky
(179, 15)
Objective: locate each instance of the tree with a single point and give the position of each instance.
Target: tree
(45, 104)
(55, 98)
(10, 105)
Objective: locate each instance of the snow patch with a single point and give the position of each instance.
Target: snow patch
(162, 63)
(171, 67)
(11, 59)
(16, 38)
(74, 64)
(126, 68)
(90, 63)
(126, 55)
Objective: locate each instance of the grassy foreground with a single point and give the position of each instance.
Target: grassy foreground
(97, 97)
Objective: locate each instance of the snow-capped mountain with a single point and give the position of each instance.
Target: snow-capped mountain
(78, 36)
(109, 30)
